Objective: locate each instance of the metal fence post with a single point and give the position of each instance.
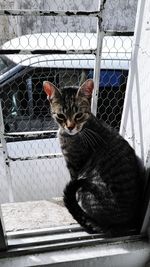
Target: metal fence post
(5, 156)
(96, 76)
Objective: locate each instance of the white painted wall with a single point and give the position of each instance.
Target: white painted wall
(136, 116)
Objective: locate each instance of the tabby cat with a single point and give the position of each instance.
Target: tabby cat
(105, 188)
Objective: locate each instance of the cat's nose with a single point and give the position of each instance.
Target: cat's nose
(70, 128)
(70, 125)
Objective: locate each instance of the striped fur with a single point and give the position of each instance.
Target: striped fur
(105, 190)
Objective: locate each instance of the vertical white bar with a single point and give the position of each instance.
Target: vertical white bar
(96, 76)
(128, 95)
(5, 156)
(3, 241)
(133, 92)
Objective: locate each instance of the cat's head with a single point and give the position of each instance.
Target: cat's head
(71, 106)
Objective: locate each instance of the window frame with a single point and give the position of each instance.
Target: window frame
(67, 237)
(43, 248)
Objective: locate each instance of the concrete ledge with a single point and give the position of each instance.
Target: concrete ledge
(35, 215)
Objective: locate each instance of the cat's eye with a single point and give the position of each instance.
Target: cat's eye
(61, 116)
(78, 116)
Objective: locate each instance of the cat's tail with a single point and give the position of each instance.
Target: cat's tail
(76, 211)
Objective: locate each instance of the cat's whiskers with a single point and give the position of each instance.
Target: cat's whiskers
(86, 138)
(90, 135)
(91, 142)
(96, 135)
(84, 141)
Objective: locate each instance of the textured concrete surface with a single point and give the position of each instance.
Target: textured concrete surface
(35, 215)
(123, 14)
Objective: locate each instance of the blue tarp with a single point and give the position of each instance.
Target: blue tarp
(112, 78)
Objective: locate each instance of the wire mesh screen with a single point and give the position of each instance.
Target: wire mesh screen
(51, 48)
(26, 108)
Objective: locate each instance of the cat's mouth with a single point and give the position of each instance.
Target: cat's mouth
(71, 132)
(77, 128)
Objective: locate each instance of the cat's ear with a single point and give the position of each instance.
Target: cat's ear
(51, 90)
(86, 89)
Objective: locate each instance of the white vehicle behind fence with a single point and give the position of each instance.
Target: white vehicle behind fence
(26, 109)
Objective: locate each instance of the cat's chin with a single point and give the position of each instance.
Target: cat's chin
(73, 132)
